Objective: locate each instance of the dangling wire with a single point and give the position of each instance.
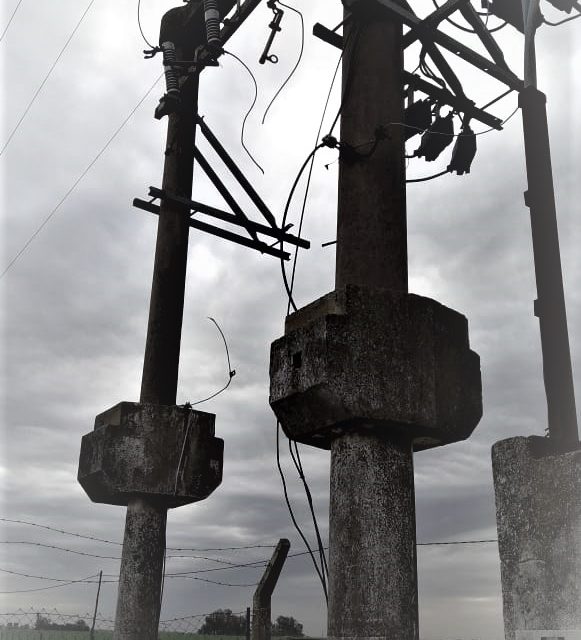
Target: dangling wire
(298, 62)
(140, 27)
(231, 372)
(293, 518)
(249, 110)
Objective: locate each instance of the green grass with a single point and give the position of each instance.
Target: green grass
(31, 634)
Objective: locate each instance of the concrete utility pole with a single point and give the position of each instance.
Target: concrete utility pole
(538, 480)
(153, 455)
(370, 371)
(261, 609)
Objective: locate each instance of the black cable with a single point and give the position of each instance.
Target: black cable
(284, 217)
(557, 24)
(10, 20)
(46, 77)
(233, 55)
(140, 27)
(78, 180)
(436, 175)
(231, 372)
(292, 515)
(290, 288)
(284, 84)
(296, 458)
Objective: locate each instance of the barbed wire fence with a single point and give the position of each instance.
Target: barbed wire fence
(51, 624)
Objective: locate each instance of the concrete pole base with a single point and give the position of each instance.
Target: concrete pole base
(538, 511)
(138, 602)
(373, 568)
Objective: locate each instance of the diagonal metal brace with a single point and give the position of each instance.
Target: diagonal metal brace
(503, 75)
(235, 171)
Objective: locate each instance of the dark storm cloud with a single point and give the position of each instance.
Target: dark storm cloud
(75, 308)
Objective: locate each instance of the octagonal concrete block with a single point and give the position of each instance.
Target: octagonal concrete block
(165, 454)
(376, 359)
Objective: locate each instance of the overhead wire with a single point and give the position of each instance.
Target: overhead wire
(560, 22)
(46, 77)
(78, 180)
(233, 55)
(297, 64)
(10, 20)
(105, 541)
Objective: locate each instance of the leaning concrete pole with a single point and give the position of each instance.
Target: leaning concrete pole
(261, 603)
(370, 371)
(537, 480)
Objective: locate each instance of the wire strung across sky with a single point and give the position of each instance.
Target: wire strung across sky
(10, 20)
(46, 77)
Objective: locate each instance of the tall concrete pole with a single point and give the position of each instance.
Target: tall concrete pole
(140, 583)
(370, 371)
(373, 581)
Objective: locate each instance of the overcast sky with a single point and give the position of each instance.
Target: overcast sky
(75, 304)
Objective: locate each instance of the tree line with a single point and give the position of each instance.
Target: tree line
(223, 622)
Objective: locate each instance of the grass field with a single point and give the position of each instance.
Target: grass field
(30, 634)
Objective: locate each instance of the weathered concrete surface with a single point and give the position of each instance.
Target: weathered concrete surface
(364, 358)
(261, 602)
(143, 553)
(135, 451)
(372, 561)
(538, 510)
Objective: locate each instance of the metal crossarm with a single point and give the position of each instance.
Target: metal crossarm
(423, 29)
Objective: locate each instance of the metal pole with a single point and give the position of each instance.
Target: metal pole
(140, 583)
(96, 605)
(247, 623)
(373, 574)
(261, 624)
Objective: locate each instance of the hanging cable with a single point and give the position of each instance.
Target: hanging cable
(292, 515)
(231, 373)
(290, 288)
(296, 458)
(557, 24)
(297, 64)
(437, 175)
(141, 29)
(10, 20)
(46, 77)
(249, 110)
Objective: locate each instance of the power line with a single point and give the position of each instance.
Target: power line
(10, 20)
(140, 27)
(79, 179)
(46, 77)
(105, 541)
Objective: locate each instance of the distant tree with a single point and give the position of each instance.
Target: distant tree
(44, 624)
(223, 622)
(287, 626)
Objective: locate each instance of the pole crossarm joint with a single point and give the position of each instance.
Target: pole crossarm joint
(426, 31)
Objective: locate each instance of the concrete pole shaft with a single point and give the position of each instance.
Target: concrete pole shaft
(140, 580)
(373, 568)
(371, 219)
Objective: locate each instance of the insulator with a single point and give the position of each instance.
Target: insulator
(464, 152)
(436, 138)
(418, 117)
(172, 78)
(212, 18)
